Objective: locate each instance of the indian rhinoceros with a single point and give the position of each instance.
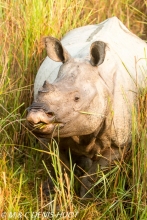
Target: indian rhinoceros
(85, 91)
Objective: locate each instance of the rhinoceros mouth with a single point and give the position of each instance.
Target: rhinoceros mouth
(40, 120)
(44, 129)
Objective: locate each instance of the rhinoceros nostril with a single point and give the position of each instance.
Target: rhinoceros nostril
(50, 114)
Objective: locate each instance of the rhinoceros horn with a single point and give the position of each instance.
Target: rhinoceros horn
(97, 53)
(55, 50)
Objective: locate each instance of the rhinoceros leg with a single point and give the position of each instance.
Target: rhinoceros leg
(104, 161)
(82, 163)
(48, 185)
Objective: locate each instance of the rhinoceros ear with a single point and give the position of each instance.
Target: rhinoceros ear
(55, 50)
(97, 53)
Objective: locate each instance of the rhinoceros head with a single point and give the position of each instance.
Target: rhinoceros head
(76, 102)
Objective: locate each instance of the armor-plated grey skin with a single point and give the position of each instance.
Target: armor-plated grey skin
(86, 91)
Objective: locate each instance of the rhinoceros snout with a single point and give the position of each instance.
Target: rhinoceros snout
(39, 116)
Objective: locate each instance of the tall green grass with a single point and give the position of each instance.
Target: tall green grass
(122, 193)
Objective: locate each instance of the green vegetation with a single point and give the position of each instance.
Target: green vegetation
(122, 193)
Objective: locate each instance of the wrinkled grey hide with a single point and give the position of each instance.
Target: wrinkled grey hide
(85, 91)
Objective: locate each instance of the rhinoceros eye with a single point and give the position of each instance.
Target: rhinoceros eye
(76, 99)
